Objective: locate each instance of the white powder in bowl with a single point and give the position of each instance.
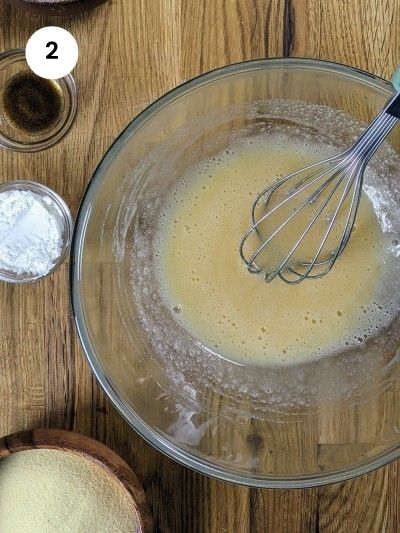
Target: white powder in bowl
(30, 234)
(52, 491)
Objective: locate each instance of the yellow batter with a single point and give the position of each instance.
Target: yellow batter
(234, 313)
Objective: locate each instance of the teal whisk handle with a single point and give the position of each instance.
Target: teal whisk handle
(396, 79)
(393, 107)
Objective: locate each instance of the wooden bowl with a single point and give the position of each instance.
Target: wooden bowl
(71, 442)
(56, 7)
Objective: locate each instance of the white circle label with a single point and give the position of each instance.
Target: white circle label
(52, 52)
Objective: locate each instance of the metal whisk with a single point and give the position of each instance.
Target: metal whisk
(302, 223)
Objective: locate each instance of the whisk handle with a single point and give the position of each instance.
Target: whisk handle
(394, 107)
(396, 79)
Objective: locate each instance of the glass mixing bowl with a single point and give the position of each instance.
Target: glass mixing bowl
(296, 426)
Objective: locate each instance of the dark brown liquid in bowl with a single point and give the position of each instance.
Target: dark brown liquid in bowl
(32, 104)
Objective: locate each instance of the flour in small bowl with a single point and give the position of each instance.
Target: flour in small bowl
(31, 238)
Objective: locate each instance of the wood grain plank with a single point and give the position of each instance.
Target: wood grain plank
(284, 510)
(360, 505)
(362, 34)
(218, 33)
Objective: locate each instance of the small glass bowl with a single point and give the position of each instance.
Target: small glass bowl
(63, 216)
(13, 62)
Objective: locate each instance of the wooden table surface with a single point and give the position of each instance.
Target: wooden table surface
(131, 52)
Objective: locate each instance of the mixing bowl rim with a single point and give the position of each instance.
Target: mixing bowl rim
(155, 438)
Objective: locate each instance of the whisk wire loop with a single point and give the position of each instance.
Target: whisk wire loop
(270, 276)
(256, 223)
(335, 254)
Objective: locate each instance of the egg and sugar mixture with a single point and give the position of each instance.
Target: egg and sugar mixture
(236, 314)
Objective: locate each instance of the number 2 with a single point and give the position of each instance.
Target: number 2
(51, 55)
